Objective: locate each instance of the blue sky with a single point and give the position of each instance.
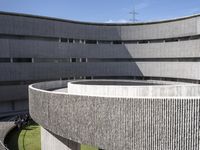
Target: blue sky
(104, 10)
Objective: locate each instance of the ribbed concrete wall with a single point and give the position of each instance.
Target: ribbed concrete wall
(119, 123)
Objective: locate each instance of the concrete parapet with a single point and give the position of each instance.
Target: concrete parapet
(118, 123)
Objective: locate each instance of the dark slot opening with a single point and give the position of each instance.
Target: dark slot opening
(143, 41)
(73, 59)
(130, 42)
(21, 60)
(64, 40)
(4, 59)
(104, 42)
(71, 40)
(117, 42)
(83, 60)
(91, 42)
(171, 40)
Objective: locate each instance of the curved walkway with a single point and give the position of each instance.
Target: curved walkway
(5, 127)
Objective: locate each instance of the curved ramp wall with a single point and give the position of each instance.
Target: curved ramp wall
(35, 48)
(131, 89)
(117, 123)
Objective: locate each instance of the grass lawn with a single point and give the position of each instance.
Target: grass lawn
(29, 139)
(86, 147)
(26, 139)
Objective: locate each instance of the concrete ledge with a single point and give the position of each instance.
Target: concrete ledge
(131, 89)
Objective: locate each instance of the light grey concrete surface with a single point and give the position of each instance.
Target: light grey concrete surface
(131, 89)
(187, 70)
(5, 127)
(40, 49)
(149, 123)
(36, 37)
(50, 141)
(50, 27)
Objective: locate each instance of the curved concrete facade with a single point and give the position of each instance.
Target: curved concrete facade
(116, 123)
(35, 48)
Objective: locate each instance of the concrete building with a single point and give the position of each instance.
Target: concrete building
(35, 49)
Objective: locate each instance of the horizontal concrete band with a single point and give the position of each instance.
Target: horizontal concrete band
(87, 41)
(53, 28)
(42, 71)
(131, 89)
(39, 49)
(85, 60)
(117, 123)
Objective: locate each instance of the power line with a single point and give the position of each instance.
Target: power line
(134, 14)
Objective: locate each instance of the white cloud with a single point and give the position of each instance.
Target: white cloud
(118, 21)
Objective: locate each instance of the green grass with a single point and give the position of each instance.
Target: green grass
(29, 139)
(87, 147)
(26, 139)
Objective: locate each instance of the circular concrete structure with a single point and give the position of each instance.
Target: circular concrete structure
(132, 89)
(117, 120)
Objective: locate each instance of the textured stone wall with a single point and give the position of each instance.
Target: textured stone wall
(119, 123)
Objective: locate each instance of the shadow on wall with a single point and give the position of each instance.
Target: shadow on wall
(111, 70)
(16, 76)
